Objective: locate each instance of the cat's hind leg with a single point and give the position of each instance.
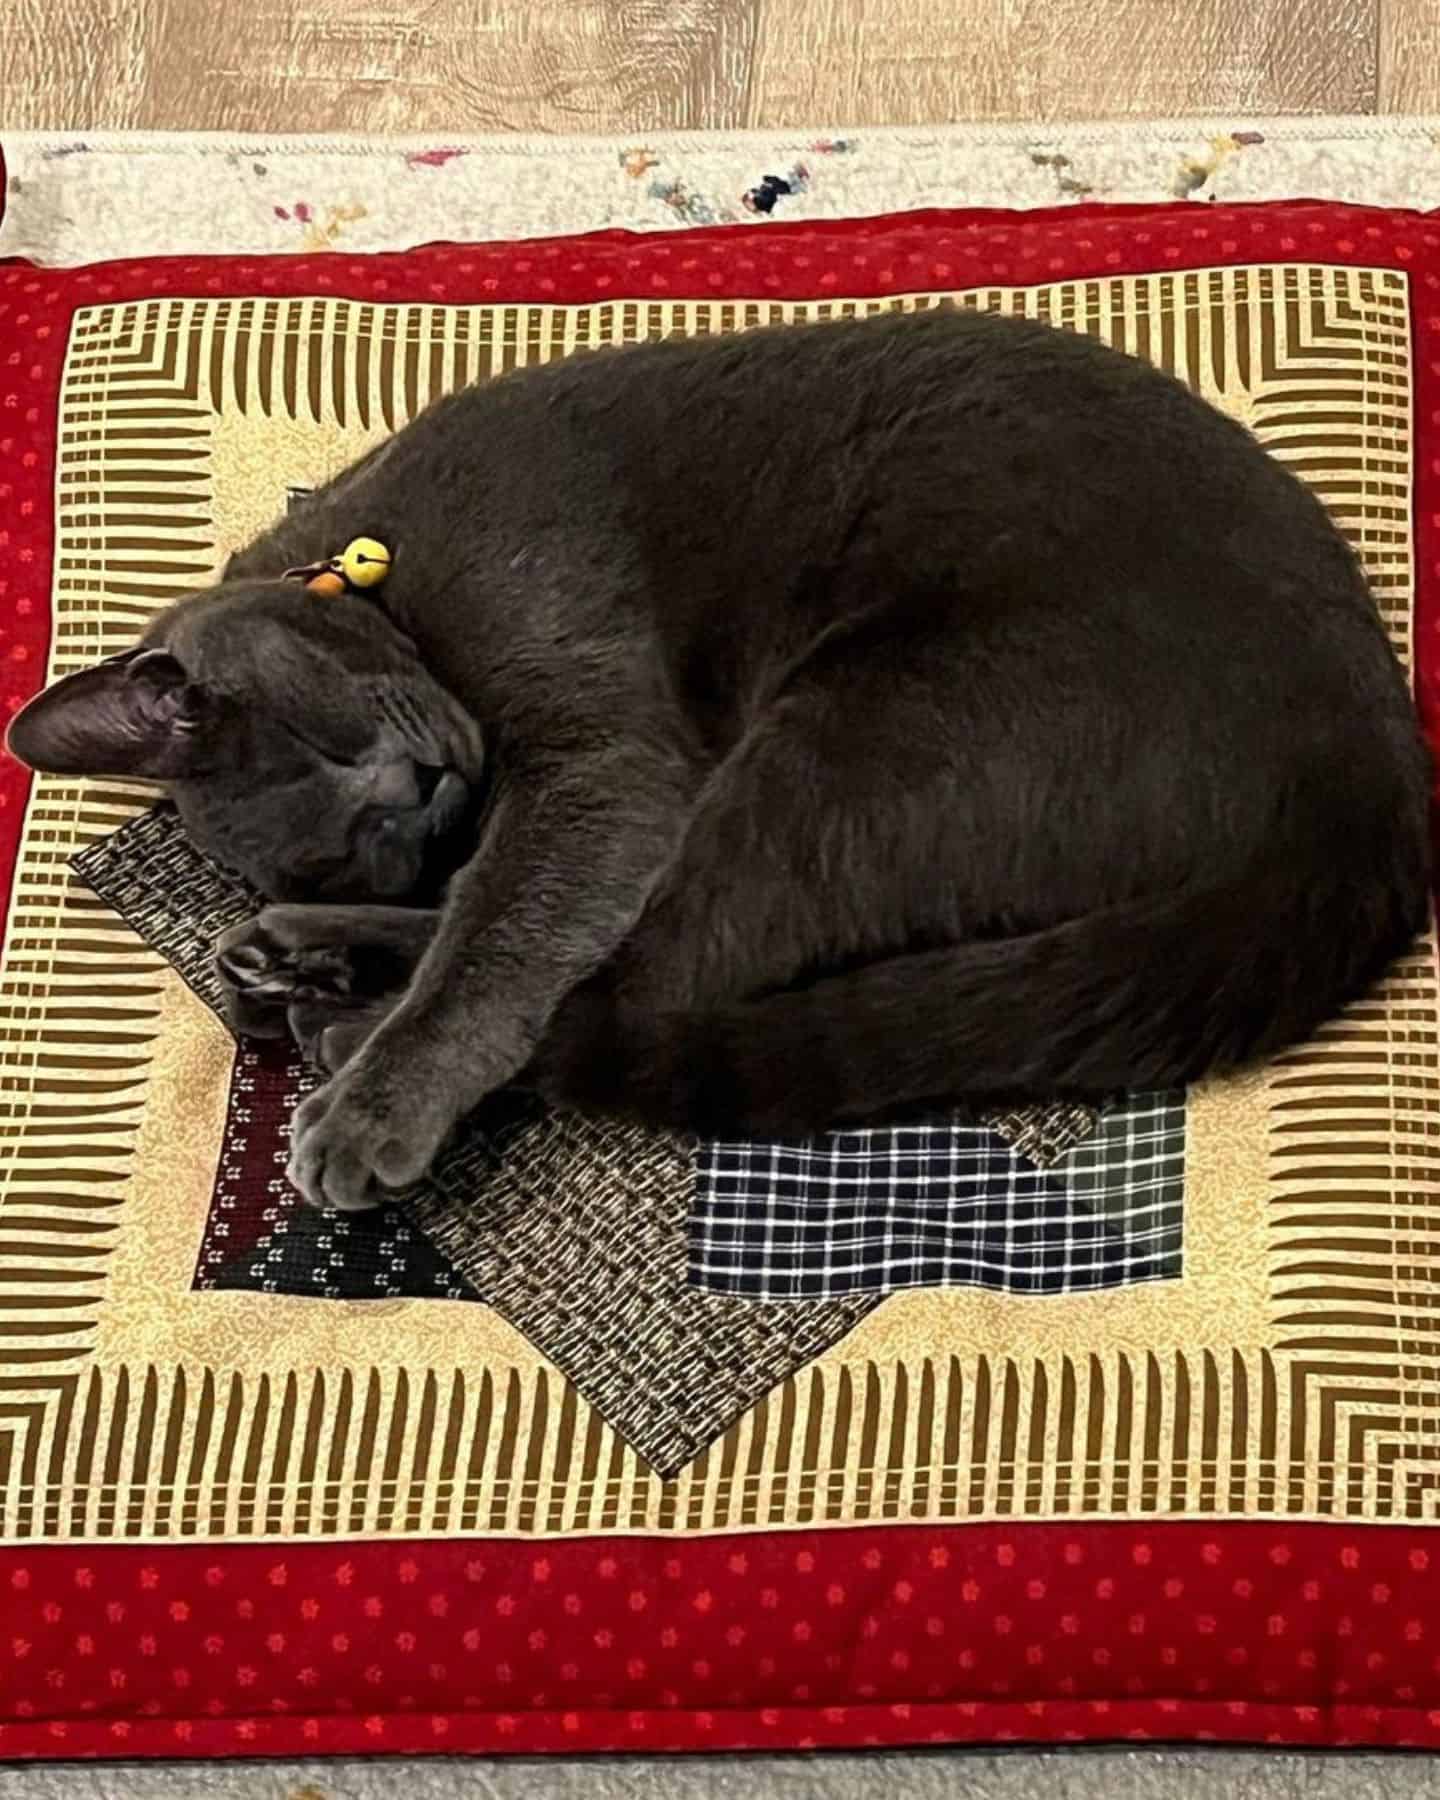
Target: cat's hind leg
(839, 832)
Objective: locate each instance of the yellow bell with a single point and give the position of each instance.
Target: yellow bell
(364, 563)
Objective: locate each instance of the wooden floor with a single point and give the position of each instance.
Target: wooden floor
(625, 65)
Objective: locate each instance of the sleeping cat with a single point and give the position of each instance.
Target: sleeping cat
(762, 732)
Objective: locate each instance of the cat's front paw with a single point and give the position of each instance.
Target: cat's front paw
(266, 965)
(375, 1128)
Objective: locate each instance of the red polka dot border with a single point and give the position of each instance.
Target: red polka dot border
(1304, 1635)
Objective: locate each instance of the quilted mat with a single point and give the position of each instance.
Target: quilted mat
(1051, 1427)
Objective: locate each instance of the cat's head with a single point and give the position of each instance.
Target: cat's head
(302, 740)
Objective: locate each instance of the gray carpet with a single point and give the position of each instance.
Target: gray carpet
(1018, 1775)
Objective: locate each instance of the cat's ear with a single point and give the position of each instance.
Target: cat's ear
(136, 714)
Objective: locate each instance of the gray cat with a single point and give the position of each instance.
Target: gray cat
(763, 732)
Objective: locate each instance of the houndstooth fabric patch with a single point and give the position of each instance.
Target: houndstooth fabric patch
(170, 895)
(1042, 1131)
(574, 1229)
(943, 1203)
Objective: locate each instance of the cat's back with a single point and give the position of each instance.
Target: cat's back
(969, 412)
(738, 480)
(777, 428)
(1005, 449)
(899, 358)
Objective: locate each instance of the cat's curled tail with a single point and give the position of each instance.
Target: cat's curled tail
(1153, 993)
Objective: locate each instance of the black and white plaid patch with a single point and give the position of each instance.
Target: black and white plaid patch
(943, 1204)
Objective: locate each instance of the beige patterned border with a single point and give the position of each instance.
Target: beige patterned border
(1314, 1397)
